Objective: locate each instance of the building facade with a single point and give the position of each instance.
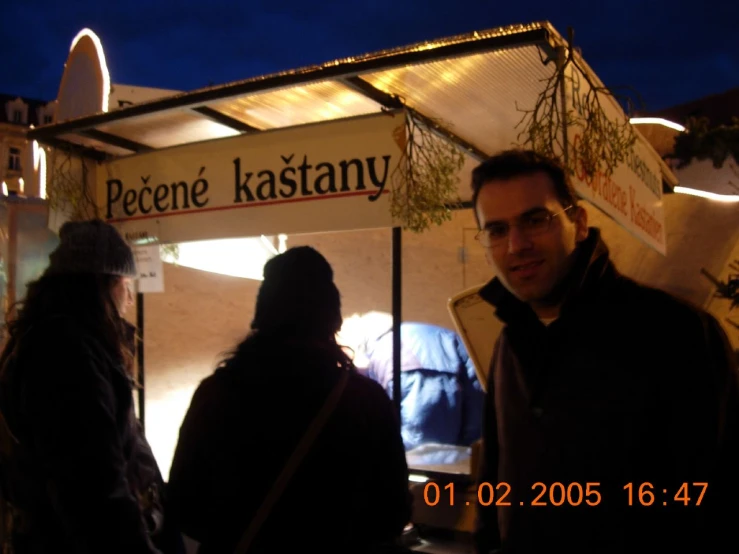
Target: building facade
(18, 158)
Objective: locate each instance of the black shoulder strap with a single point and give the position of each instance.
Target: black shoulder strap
(292, 464)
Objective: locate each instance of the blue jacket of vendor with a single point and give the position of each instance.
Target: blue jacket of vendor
(442, 399)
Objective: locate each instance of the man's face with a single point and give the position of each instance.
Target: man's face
(531, 239)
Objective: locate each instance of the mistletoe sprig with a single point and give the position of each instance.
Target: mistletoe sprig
(69, 189)
(728, 289)
(604, 142)
(170, 252)
(702, 141)
(426, 178)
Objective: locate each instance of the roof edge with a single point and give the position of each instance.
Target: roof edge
(439, 49)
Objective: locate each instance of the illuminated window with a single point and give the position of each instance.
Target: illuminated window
(14, 159)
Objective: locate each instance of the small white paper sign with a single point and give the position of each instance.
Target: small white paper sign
(149, 266)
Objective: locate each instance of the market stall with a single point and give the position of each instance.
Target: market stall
(321, 150)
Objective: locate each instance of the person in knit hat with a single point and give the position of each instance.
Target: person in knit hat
(298, 296)
(76, 473)
(96, 248)
(350, 492)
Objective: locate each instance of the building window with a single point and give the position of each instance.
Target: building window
(14, 159)
(47, 119)
(17, 116)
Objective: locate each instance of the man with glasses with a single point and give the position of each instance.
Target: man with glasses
(612, 413)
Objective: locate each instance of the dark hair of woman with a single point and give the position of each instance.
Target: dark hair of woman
(84, 298)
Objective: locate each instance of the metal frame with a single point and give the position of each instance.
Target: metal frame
(397, 308)
(392, 102)
(223, 119)
(67, 146)
(115, 140)
(140, 374)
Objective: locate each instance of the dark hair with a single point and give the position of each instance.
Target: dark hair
(269, 345)
(515, 163)
(298, 305)
(84, 298)
(298, 297)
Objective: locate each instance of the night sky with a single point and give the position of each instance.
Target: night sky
(670, 51)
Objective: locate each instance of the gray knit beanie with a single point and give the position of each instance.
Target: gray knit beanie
(92, 247)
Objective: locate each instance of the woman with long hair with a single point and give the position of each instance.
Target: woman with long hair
(347, 490)
(76, 473)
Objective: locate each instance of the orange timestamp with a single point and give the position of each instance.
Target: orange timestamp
(556, 494)
(571, 494)
(644, 494)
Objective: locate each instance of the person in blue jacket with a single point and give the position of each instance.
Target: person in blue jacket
(442, 399)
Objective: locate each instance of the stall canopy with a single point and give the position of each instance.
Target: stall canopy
(474, 84)
(471, 81)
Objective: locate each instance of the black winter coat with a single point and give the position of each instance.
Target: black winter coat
(245, 420)
(630, 388)
(80, 459)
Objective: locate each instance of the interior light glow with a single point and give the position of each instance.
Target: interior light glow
(21, 184)
(268, 245)
(165, 411)
(727, 198)
(656, 121)
(357, 328)
(5, 188)
(101, 56)
(243, 257)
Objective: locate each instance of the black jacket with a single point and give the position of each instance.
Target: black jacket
(628, 385)
(80, 459)
(245, 420)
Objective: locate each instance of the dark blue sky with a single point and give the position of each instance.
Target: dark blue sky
(669, 51)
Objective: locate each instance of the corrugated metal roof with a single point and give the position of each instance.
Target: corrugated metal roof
(168, 128)
(473, 85)
(470, 82)
(476, 97)
(322, 101)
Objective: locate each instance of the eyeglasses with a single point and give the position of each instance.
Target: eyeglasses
(530, 225)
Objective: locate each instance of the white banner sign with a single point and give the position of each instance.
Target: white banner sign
(149, 267)
(632, 195)
(323, 177)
